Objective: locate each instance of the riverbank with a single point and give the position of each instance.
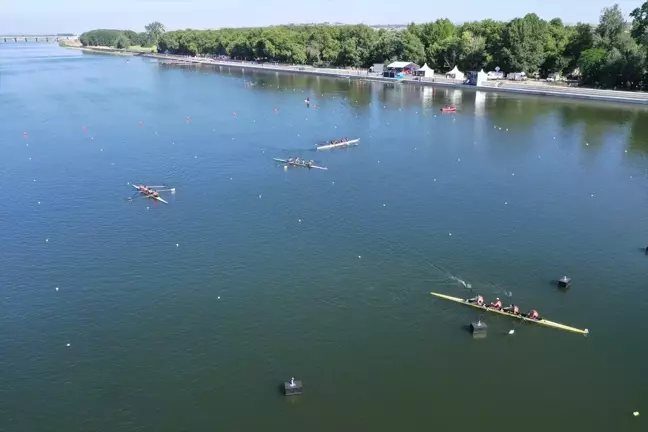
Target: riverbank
(131, 51)
(529, 88)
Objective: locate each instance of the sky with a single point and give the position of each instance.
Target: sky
(76, 16)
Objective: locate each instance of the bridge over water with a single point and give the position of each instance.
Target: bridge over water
(36, 38)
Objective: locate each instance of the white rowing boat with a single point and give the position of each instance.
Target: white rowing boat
(285, 162)
(157, 198)
(540, 321)
(349, 143)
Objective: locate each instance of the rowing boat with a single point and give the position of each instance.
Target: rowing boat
(157, 198)
(541, 321)
(349, 143)
(284, 161)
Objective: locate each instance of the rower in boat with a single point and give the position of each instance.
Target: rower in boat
(479, 300)
(534, 315)
(512, 309)
(497, 305)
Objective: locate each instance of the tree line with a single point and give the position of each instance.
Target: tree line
(123, 38)
(610, 54)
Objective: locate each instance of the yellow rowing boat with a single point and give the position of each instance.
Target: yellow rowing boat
(541, 321)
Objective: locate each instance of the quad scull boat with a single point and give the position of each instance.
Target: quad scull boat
(285, 162)
(348, 143)
(149, 192)
(540, 321)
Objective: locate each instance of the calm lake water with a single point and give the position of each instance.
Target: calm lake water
(188, 316)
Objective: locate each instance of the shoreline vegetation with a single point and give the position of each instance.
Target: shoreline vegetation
(527, 88)
(593, 61)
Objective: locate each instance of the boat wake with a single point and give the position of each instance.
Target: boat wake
(489, 288)
(461, 282)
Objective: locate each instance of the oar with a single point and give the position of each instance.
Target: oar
(130, 198)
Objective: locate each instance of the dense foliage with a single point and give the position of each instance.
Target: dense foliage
(123, 38)
(611, 54)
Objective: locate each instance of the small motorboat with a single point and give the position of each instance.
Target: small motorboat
(449, 109)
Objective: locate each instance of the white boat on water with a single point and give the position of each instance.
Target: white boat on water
(349, 143)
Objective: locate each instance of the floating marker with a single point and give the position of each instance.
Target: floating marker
(56, 288)
(511, 332)
(636, 413)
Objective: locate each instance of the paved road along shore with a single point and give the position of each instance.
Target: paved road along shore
(537, 89)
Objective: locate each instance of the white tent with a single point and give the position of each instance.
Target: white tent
(455, 74)
(425, 71)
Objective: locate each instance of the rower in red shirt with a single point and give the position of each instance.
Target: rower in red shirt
(497, 305)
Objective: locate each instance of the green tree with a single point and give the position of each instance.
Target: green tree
(154, 30)
(640, 23)
(591, 63)
(611, 26)
(555, 58)
(473, 55)
(524, 41)
(122, 42)
(579, 40)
